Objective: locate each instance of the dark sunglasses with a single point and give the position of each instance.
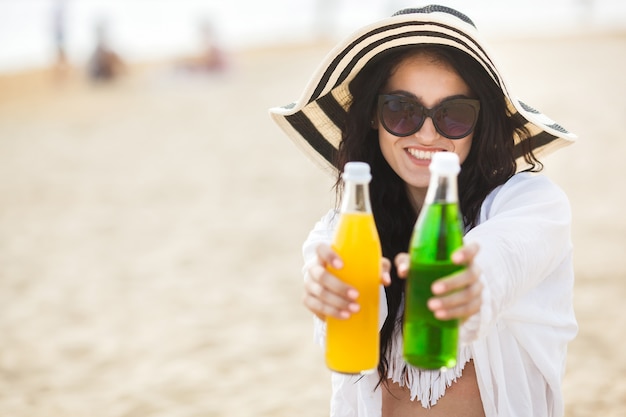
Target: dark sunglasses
(403, 116)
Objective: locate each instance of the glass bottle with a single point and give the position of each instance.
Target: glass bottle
(352, 345)
(430, 343)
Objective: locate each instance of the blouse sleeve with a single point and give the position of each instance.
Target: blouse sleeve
(524, 236)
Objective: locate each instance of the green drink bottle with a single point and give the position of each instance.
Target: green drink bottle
(430, 343)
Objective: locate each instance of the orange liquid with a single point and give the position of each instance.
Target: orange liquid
(352, 345)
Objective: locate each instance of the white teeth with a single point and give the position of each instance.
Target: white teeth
(419, 154)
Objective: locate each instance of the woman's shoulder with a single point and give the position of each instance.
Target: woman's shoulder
(525, 189)
(529, 179)
(529, 184)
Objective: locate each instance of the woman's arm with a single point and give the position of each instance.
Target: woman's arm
(524, 236)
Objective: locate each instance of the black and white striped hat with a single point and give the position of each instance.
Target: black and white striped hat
(313, 121)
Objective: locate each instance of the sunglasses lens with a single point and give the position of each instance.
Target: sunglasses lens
(455, 120)
(401, 117)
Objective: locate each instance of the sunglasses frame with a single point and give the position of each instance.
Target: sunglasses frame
(426, 112)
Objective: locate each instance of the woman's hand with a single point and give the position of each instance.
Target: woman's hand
(457, 296)
(325, 294)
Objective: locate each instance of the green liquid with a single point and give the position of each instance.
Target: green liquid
(431, 343)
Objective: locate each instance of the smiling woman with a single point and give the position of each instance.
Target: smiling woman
(394, 94)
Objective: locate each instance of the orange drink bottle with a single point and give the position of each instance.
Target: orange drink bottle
(352, 345)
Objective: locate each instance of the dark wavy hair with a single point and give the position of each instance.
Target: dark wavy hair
(490, 162)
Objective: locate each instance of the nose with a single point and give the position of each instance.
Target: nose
(427, 133)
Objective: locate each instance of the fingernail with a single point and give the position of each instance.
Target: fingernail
(344, 315)
(353, 294)
(434, 304)
(438, 288)
(441, 314)
(337, 264)
(386, 276)
(354, 307)
(457, 257)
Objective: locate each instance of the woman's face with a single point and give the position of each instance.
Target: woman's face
(430, 82)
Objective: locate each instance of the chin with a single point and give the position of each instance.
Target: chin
(417, 182)
(419, 178)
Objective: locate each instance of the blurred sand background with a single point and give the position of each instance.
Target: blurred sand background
(150, 234)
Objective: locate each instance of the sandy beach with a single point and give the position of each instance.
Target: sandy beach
(150, 235)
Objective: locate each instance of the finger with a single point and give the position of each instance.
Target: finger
(458, 304)
(462, 312)
(465, 254)
(456, 281)
(458, 298)
(328, 256)
(385, 268)
(402, 264)
(322, 281)
(325, 294)
(322, 308)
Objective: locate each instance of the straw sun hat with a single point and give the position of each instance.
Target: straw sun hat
(313, 122)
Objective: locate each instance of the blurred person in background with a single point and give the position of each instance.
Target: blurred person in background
(211, 57)
(104, 64)
(59, 35)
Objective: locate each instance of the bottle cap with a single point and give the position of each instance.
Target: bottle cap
(445, 163)
(357, 172)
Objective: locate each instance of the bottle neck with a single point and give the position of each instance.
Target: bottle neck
(356, 198)
(442, 189)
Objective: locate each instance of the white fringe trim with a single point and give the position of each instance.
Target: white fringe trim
(425, 385)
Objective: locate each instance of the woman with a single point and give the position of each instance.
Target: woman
(515, 296)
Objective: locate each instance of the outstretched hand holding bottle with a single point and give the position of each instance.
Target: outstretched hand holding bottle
(455, 297)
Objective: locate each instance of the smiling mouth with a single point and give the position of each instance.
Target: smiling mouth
(419, 154)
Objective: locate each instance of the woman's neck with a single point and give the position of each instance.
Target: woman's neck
(416, 196)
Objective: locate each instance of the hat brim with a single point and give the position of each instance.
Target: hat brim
(313, 121)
